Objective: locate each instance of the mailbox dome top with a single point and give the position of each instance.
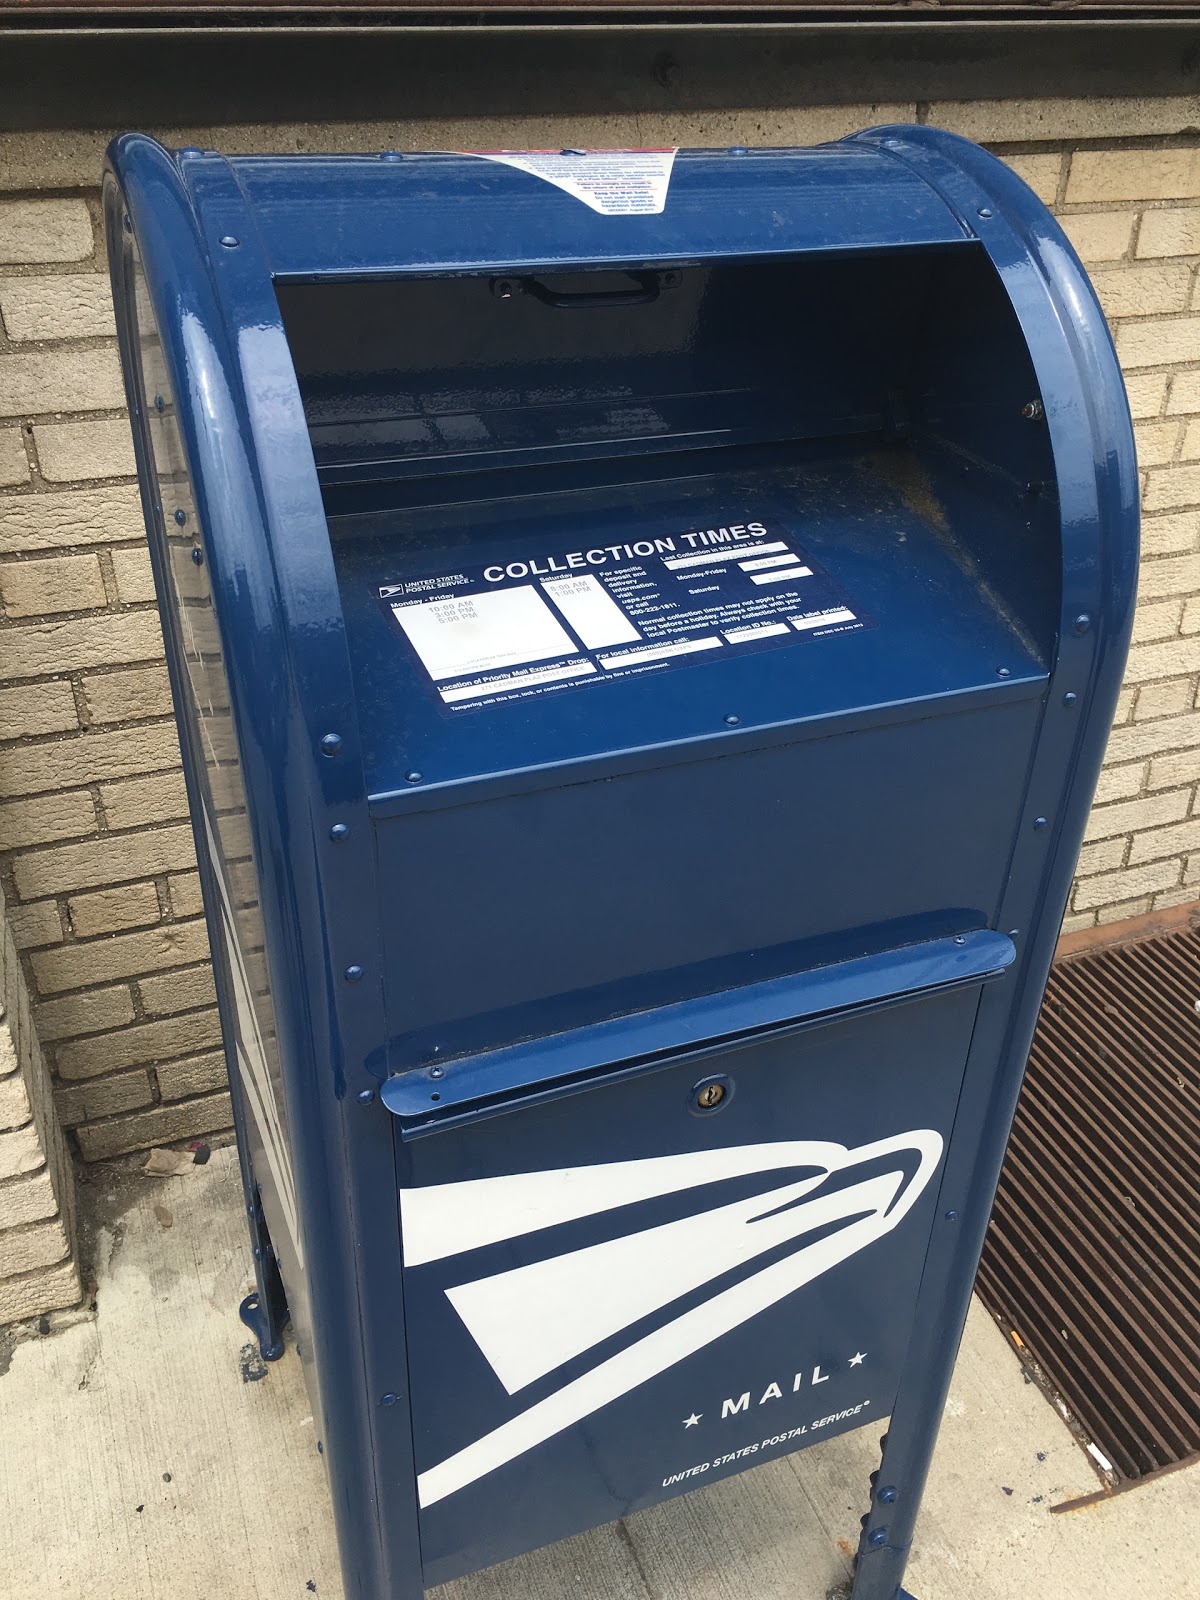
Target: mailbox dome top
(381, 214)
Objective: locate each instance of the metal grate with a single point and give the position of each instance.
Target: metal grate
(1093, 1255)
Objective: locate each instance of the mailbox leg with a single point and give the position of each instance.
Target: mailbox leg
(265, 1311)
(908, 1445)
(896, 1489)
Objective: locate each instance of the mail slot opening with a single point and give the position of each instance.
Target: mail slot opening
(421, 376)
(855, 424)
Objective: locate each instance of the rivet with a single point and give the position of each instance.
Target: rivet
(1039, 822)
(887, 1496)
(338, 831)
(127, 223)
(365, 1096)
(181, 517)
(877, 1538)
(159, 402)
(985, 211)
(732, 720)
(331, 744)
(952, 1216)
(191, 150)
(320, 1448)
(229, 241)
(353, 973)
(412, 777)
(258, 1252)
(574, 152)
(197, 556)
(1082, 622)
(737, 149)
(389, 1399)
(1070, 698)
(390, 155)
(1004, 672)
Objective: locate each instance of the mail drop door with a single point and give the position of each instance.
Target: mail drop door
(597, 1325)
(643, 627)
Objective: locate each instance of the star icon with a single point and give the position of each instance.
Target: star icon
(694, 1420)
(858, 1358)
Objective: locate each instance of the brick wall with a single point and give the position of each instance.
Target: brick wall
(1134, 216)
(38, 1269)
(99, 862)
(97, 851)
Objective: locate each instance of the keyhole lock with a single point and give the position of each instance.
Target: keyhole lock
(710, 1095)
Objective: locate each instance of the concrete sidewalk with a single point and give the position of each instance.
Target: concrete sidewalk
(147, 1454)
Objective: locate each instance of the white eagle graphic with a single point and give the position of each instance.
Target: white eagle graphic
(530, 1320)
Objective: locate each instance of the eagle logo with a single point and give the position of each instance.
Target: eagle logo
(826, 1200)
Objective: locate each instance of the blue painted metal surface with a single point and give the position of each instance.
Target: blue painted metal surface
(643, 1041)
(623, 1047)
(457, 213)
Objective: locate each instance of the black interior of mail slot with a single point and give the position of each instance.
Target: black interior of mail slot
(878, 410)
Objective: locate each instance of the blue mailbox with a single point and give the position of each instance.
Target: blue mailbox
(643, 629)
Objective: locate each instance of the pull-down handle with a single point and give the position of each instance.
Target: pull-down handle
(650, 286)
(519, 1075)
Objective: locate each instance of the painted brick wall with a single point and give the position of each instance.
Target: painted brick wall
(97, 854)
(99, 862)
(1134, 216)
(38, 1265)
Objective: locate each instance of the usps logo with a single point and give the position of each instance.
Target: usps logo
(529, 1320)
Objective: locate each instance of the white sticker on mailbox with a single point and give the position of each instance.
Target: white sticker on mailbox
(617, 183)
(465, 634)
